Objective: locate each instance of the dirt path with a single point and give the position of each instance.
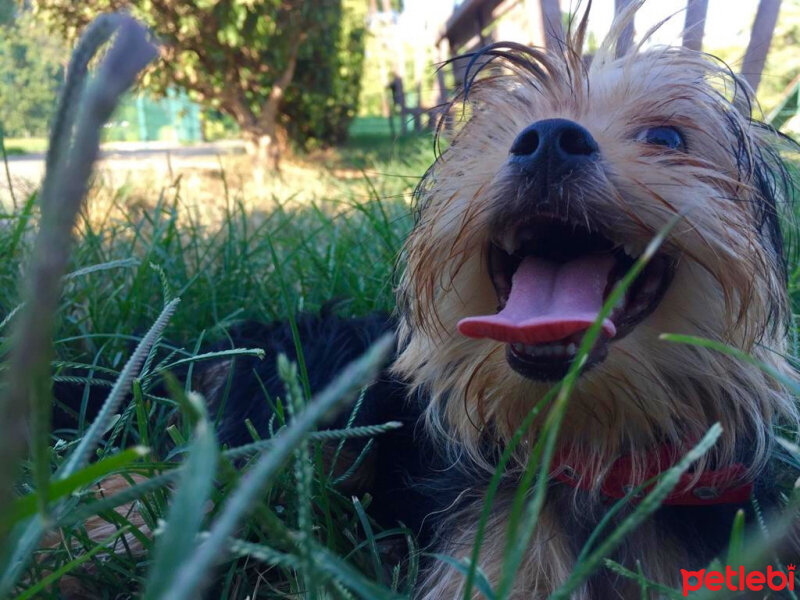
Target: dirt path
(119, 160)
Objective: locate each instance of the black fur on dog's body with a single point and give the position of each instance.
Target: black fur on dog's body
(407, 477)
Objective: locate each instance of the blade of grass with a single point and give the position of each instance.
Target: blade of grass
(129, 494)
(663, 590)
(303, 475)
(192, 575)
(8, 171)
(736, 541)
(257, 352)
(69, 163)
(327, 561)
(26, 506)
(301, 362)
(121, 388)
(494, 486)
(51, 578)
(646, 507)
(22, 223)
(370, 535)
(692, 340)
(481, 581)
(325, 435)
(519, 536)
(187, 510)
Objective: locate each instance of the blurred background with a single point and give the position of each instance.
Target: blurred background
(264, 165)
(280, 78)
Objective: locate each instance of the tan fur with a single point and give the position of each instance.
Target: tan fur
(98, 529)
(727, 286)
(648, 390)
(548, 558)
(547, 561)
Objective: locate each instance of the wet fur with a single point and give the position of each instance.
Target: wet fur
(458, 398)
(730, 286)
(730, 282)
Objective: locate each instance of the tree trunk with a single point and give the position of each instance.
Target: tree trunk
(544, 18)
(264, 149)
(760, 39)
(626, 38)
(263, 139)
(694, 25)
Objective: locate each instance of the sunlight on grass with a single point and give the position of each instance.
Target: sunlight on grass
(165, 261)
(18, 146)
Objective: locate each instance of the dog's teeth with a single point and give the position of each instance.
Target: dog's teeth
(620, 303)
(634, 249)
(508, 243)
(556, 350)
(651, 288)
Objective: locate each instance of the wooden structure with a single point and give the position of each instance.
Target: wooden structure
(695, 24)
(475, 23)
(760, 40)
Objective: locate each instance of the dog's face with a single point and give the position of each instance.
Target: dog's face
(556, 177)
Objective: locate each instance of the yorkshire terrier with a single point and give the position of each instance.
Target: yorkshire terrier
(558, 170)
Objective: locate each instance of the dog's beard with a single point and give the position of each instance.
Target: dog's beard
(727, 284)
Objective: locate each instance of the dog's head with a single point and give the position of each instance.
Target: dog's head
(558, 171)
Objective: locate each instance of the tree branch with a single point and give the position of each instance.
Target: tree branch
(269, 111)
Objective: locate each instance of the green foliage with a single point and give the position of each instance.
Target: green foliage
(31, 70)
(238, 57)
(321, 105)
(8, 10)
(782, 60)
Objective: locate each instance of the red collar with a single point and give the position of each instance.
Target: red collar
(721, 486)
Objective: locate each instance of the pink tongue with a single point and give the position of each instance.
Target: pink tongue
(548, 302)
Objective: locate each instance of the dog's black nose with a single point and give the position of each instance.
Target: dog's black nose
(553, 143)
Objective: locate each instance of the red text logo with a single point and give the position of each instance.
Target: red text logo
(738, 580)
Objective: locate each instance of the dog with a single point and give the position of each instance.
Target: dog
(558, 171)
(558, 174)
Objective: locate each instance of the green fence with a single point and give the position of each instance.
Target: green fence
(145, 119)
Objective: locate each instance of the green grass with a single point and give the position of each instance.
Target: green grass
(153, 279)
(264, 262)
(18, 146)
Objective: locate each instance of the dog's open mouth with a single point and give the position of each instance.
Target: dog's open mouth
(552, 278)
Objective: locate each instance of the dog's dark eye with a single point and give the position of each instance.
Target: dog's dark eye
(669, 137)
